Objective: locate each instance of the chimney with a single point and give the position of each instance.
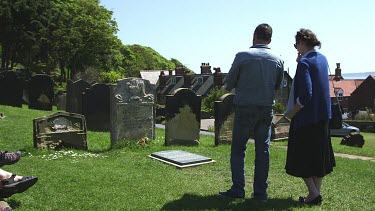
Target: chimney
(187, 79)
(218, 77)
(180, 71)
(338, 73)
(206, 69)
(162, 80)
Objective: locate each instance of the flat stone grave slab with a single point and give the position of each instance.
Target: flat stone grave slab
(180, 158)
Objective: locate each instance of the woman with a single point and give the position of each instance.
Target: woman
(310, 155)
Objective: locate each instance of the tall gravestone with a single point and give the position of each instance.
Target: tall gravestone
(11, 89)
(183, 120)
(61, 102)
(96, 107)
(74, 95)
(132, 110)
(41, 93)
(224, 116)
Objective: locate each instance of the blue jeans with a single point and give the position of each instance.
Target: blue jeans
(251, 121)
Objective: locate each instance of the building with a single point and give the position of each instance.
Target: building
(341, 89)
(364, 96)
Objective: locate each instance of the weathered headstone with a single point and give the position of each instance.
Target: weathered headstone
(180, 158)
(61, 102)
(280, 127)
(60, 129)
(224, 116)
(132, 110)
(96, 107)
(11, 89)
(41, 92)
(74, 95)
(183, 118)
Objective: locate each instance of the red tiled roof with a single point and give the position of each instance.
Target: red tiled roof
(347, 85)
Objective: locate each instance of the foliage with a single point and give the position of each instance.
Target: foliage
(279, 108)
(110, 77)
(368, 116)
(209, 101)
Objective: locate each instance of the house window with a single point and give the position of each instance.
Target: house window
(340, 96)
(200, 80)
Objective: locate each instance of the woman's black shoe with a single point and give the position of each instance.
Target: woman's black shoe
(318, 200)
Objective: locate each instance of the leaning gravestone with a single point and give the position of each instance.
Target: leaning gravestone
(183, 118)
(60, 129)
(224, 116)
(132, 110)
(41, 92)
(11, 89)
(74, 95)
(95, 107)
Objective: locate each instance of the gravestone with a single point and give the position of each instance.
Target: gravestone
(41, 92)
(279, 127)
(61, 102)
(74, 95)
(182, 117)
(132, 110)
(60, 129)
(11, 89)
(180, 158)
(224, 117)
(96, 106)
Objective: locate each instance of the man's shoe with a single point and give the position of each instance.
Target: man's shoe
(231, 194)
(258, 198)
(9, 158)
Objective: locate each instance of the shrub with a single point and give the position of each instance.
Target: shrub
(215, 94)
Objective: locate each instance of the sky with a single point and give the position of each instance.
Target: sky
(213, 31)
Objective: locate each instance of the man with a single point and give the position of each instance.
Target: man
(255, 75)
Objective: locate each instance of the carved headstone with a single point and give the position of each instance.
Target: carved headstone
(60, 129)
(224, 116)
(74, 95)
(41, 92)
(96, 107)
(132, 110)
(11, 89)
(183, 118)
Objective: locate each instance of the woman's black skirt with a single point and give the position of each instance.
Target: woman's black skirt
(310, 151)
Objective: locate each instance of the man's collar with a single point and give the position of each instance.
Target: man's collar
(260, 46)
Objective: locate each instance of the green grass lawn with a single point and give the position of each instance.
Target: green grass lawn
(124, 178)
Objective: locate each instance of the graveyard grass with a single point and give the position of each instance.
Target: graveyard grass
(125, 178)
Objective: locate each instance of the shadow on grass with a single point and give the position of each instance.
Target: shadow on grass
(217, 202)
(13, 203)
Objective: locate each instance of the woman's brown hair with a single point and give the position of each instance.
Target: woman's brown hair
(307, 36)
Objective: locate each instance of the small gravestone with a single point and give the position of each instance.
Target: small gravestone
(11, 89)
(224, 116)
(279, 127)
(180, 158)
(61, 102)
(74, 95)
(96, 107)
(132, 112)
(183, 118)
(41, 93)
(60, 129)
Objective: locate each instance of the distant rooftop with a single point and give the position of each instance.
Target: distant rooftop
(357, 75)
